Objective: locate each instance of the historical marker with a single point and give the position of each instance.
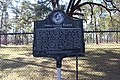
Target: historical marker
(58, 36)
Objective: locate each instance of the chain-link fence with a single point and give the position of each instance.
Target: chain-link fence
(101, 61)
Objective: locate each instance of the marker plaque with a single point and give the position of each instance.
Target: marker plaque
(58, 36)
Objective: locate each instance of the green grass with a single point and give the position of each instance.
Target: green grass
(101, 62)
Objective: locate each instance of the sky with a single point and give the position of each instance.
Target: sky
(35, 1)
(32, 1)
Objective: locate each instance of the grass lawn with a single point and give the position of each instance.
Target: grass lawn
(101, 62)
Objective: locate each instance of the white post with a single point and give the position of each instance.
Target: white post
(58, 73)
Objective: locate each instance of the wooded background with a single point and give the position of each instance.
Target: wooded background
(17, 16)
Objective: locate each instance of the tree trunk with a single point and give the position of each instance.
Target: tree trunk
(107, 38)
(22, 40)
(96, 38)
(5, 40)
(117, 39)
(0, 39)
(100, 37)
(27, 42)
(19, 39)
(1, 28)
(15, 40)
(95, 22)
(93, 38)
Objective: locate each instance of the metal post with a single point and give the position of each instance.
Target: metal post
(59, 68)
(76, 67)
(58, 73)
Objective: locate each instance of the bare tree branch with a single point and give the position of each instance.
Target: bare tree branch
(70, 6)
(73, 2)
(78, 2)
(88, 3)
(114, 6)
(40, 2)
(105, 2)
(108, 0)
(100, 11)
(91, 12)
(1, 2)
(46, 2)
